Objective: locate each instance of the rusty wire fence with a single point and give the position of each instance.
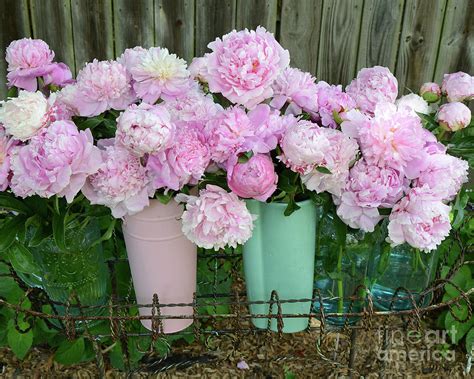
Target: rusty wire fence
(221, 309)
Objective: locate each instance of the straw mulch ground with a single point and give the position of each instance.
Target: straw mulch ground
(269, 356)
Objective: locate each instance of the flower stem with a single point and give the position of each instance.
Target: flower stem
(340, 288)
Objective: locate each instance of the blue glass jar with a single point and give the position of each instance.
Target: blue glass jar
(399, 277)
(341, 264)
(79, 270)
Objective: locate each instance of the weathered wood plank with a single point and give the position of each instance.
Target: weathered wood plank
(59, 38)
(380, 33)
(93, 30)
(15, 24)
(456, 52)
(214, 18)
(133, 24)
(174, 27)
(340, 27)
(252, 13)
(299, 32)
(419, 43)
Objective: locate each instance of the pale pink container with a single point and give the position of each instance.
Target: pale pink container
(162, 261)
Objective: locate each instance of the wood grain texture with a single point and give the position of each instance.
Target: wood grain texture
(456, 51)
(214, 18)
(299, 32)
(14, 24)
(419, 43)
(133, 24)
(252, 13)
(174, 27)
(380, 33)
(58, 13)
(92, 30)
(339, 40)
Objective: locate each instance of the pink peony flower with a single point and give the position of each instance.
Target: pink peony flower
(27, 59)
(304, 146)
(131, 57)
(6, 146)
(158, 74)
(376, 186)
(57, 161)
(216, 218)
(413, 104)
(184, 162)
(444, 175)
(357, 216)
(419, 219)
(100, 86)
(353, 121)
(417, 165)
(243, 66)
(59, 75)
(144, 129)
(458, 86)
(332, 102)
(195, 107)
(122, 183)
(28, 53)
(58, 110)
(197, 68)
(431, 92)
(296, 87)
(267, 127)
(254, 179)
(393, 139)
(226, 134)
(23, 116)
(372, 86)
(342, 151)
(454, 116)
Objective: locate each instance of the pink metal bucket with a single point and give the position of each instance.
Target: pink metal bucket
(162, 261)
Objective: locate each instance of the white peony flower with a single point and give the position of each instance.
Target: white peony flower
(23, 116)
(413, 103)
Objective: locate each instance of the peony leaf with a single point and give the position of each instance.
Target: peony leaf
(323, 170)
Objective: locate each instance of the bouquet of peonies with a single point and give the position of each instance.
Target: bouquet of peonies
(238, 123)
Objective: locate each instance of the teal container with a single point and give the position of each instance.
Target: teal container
(280, 256)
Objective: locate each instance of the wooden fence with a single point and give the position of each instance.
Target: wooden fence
(418, 40)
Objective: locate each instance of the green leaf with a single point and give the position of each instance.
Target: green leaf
(21, 259)
(323, 170)
(470, 341)
(59, 226)
(12, 92)
(89, 123)
(458, 208)
(341, 230)
(164, 198)
(107, 235)
(384, 211)
(245, 157)
(455, 329)
(9, 202)
(461, 278)
(20, 343)
(429, 122)
(116, 357)
(291, 207)
(70, 352)
(9, 231)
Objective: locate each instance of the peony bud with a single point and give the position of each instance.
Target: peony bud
(454, 116)
(254, 179)
(458, 86)
(431, 92)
